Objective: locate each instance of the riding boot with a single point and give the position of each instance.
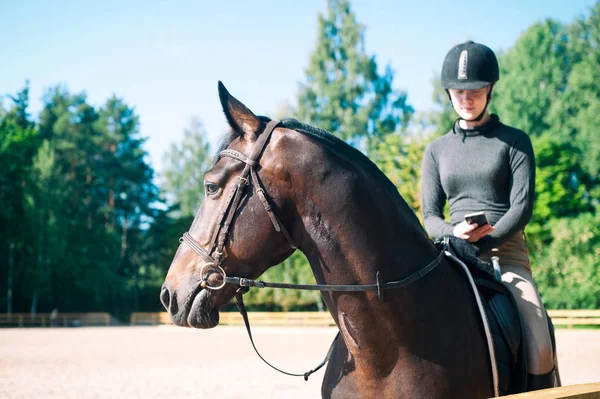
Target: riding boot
(540, 381)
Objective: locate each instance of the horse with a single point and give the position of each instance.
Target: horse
(313, 192)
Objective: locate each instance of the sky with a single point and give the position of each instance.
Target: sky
(164, 58)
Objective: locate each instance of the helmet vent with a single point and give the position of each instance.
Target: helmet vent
(462, 65)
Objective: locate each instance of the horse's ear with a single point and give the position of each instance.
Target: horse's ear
(240, 118)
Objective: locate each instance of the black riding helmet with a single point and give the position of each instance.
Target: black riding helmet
(470, 66)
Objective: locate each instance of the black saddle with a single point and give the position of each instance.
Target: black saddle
(501, 313)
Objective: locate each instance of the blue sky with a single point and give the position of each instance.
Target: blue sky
(165, 57)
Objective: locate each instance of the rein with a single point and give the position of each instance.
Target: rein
(220, 234)
(244, 285)
(378, 286)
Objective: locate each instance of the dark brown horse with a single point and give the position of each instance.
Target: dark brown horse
(424, 340)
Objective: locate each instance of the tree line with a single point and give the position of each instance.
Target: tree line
(85, 226)
(81, 218)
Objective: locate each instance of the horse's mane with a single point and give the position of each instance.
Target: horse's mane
(342, 148)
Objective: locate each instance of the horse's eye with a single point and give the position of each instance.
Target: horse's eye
(211, 188)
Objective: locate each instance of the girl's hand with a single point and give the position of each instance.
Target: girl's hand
(472, 232)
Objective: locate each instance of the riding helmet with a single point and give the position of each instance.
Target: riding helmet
(469, 66)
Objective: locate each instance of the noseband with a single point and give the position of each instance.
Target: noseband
(225, 218)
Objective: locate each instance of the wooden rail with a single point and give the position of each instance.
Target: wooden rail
(61, 319)
(150, 318)
(569, 318)
(559, 317)
(296, 319)
(581, 391)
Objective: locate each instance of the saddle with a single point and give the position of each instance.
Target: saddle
(502, 316)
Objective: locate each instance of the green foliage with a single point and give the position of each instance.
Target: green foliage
(400, 157)
(344, 92)
(532, 74)
(18, 145)
(559, 193)
(575, 115)
(82, 195)
(185, 166)
(567, 271)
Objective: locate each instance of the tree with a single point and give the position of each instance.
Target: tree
(567, 270)
(185, 166)
(344, 92)
(400, 158)
(131, 198)
(19, 113)
(40, 197)
(18, 144)
(575, 115)
(533, 73)
(558, 193)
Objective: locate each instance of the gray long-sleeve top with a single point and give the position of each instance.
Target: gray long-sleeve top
(490, 168)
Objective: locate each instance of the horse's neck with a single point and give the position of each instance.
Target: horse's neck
(352, 252)
(354, 223)
(355, 229)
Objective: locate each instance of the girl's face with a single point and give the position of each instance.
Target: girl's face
(468, 104)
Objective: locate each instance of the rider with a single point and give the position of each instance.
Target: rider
(483, 165)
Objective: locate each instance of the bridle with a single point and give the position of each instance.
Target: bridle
(223, 225)
(224, 219)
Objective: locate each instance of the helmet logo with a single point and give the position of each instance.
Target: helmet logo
(462, 65)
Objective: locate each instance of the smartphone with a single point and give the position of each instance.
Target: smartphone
(476, 217)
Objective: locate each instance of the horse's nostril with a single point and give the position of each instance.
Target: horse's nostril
(165, 298)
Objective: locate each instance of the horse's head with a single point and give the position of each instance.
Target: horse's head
(235, 231)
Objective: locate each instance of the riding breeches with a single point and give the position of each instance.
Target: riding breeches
(516, 275)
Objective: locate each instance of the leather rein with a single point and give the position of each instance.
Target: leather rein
(219, 238)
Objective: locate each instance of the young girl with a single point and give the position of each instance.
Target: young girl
(484, 165)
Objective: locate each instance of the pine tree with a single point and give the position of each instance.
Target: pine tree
(18, 145)
(344, 92)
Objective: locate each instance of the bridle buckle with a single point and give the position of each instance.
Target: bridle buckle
(244, 282)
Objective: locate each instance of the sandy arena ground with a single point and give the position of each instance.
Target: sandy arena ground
(173, 362)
